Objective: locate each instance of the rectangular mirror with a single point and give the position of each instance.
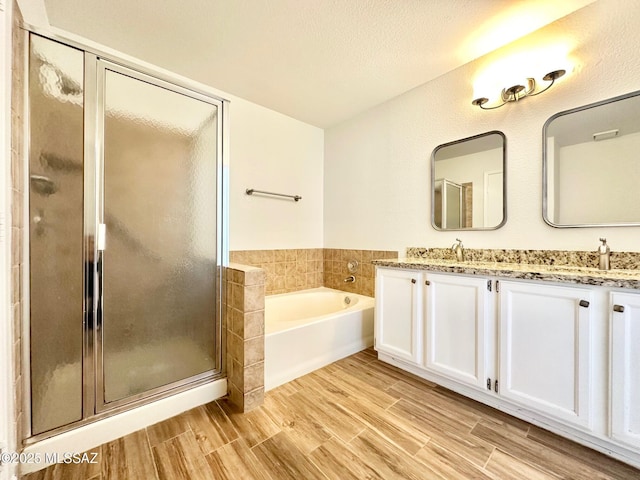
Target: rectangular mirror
(468, 183)
(591, 170)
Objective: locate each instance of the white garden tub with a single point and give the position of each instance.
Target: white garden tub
(309, 329)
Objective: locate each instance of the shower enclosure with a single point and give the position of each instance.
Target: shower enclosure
(448, 204)
(124, 237)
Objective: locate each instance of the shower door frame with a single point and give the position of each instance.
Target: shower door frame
(93, 407)
(102, 66)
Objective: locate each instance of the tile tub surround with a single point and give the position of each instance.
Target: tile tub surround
(244, 328)
(335, 269)
(287, 270)
(550, 273)
(292, 270)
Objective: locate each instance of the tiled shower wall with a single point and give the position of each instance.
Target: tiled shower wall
(294, 269)
(18, 162)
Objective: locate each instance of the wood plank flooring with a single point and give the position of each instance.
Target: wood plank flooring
(357, 418)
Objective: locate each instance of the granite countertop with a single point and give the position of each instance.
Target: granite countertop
(527, 271)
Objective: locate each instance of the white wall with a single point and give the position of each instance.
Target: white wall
(377, 164)
(273, 152)
(611, 169)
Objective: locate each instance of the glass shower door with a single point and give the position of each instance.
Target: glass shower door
(56, 164)
(156, 318)
(452, 205)
(124, 219)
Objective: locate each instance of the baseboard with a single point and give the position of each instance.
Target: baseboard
(92, 435)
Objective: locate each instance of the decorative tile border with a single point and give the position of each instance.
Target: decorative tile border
(578, 258)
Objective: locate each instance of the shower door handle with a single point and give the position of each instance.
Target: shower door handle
(99, 288)
(102, 237)
(101, 243)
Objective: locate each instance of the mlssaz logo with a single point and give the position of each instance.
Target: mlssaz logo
(75, 458)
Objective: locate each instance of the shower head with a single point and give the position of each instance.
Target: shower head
(43, 185)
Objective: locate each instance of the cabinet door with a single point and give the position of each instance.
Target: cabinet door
(545, 349)
(398, 318)
(456, 323)
(625, 368)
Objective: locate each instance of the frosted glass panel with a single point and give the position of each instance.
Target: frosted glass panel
(160, 259)
(55, 232)
(453, 205)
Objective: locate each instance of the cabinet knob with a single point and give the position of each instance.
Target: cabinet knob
(413, 280)
(427, 283)
(618, 308)
(584, 303)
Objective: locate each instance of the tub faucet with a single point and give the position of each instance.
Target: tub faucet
(350, 279)
(458, 249)
(605, 253)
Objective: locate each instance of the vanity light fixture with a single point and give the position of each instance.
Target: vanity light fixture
(516, 92)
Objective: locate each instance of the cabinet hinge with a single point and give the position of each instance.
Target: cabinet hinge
(489, 285)
(495, 386)
(488, 384)
(497, 286)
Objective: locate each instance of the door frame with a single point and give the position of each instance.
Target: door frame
(7, 430)
(95, 127)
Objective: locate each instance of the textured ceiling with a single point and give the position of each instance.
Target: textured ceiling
(320, 61)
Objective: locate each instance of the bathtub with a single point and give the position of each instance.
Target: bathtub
(309, 329)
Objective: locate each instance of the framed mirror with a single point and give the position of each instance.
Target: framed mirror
(591, 168)
(468, 183)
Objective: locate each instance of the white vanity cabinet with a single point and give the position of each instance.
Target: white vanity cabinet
(540, 355)
(563, 356)
(625, 368)
(398, 314)
(459, 318)
(545, 349)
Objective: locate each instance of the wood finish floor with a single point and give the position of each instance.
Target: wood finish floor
(354, 419)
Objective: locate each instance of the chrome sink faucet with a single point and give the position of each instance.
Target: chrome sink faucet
(604, 252)
(458, 249)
